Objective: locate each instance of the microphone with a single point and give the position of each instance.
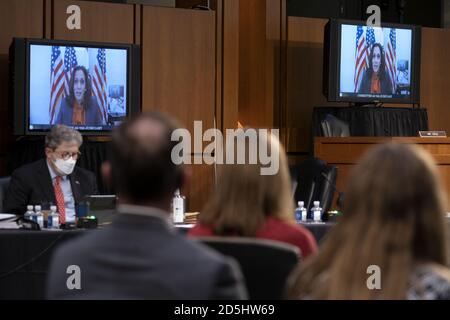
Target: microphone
(341, 195)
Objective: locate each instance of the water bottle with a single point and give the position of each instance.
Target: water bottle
(178, 207)
(316, 212)
(53, 219)
(300, 212)
(30, 213)
(39, 216)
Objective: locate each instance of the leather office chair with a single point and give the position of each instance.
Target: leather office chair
(316, 181)
(265, 264)
(334, 127)
(4, 184)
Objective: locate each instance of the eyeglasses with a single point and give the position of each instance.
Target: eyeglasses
(68, 155)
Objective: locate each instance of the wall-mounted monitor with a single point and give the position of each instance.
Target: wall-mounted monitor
(91, 87)
(372, 64)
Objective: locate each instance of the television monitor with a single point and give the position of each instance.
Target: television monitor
(372, 64)
(89, 86)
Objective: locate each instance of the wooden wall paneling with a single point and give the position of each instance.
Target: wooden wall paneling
(253, 110)
(18, 18)
(434, 85)
(251, 62)
(178, 72)
(273, 60)
(304, 80)
(200, 187)
(100, 21)
(137, 24)
(179, 77)
(48, 19)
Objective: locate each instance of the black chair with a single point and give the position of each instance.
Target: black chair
(316, 181)
(265, 264)
(334, 127)
(4, 184)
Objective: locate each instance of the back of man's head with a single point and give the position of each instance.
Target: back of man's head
(142, 170)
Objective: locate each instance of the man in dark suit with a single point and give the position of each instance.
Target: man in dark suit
(54, 180)
(141, 256)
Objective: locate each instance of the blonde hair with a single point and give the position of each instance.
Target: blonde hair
(393, 218)
(244, 198)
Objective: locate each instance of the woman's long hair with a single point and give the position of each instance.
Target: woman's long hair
(244, 198)
(393, 218)
(381, 71)
(87, 93)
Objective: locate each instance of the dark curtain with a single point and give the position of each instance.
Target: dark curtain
(30, 149)
(375, 121)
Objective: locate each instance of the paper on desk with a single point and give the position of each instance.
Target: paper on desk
(6, 216)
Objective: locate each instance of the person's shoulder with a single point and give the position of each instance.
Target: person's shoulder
(287, 227)
(92, 101)
(83, 172)
(430, 281)
(29, 167)
(65, 102)
(200, 230)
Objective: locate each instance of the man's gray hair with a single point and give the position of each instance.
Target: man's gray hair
(61, 133)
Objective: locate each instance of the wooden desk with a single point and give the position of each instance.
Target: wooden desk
(346, 152)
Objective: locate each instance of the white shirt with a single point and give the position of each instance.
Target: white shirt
(69, 200)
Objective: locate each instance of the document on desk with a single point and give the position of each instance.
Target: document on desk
(7, 221)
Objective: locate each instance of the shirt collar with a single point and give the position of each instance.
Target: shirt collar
(53, 174)
(145, 211)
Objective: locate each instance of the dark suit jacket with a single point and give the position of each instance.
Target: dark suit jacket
(142, 257)
(32, 184)
(93, 116)
(366, 83)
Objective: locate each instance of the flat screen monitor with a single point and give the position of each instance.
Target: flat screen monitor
(91, 87)
(372, 64)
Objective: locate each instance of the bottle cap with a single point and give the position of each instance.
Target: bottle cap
(37, 208)
(301, 203)
(316, 203)
(30, 208)
(53, 208)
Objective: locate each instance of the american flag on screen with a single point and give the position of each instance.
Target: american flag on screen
(391, 57)
(56, 81)
(70, 62)
(99, 83)
(361, 56)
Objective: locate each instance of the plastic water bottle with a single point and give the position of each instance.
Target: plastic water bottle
(300, 212)
(316, 212)
(30, 213)
(39, 216)
(53, 219)
(178, 207)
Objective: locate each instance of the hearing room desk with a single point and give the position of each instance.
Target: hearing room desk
(345, 153)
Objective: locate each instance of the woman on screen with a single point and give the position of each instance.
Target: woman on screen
(376, 79)
(79, 108)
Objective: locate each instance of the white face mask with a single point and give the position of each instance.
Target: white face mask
(65, 166)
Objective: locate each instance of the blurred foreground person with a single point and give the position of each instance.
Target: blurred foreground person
(141, 256)
(249, 204)
(390, 243)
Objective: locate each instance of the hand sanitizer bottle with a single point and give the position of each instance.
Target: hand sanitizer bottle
(178, 207)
